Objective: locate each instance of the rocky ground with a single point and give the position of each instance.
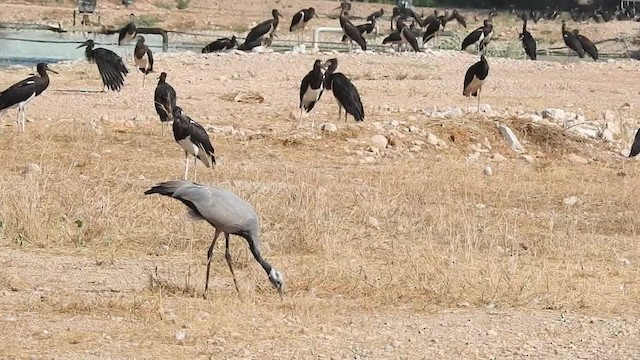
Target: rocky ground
(429, 230)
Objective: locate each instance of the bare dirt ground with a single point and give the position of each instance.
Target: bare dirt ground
(407, 252)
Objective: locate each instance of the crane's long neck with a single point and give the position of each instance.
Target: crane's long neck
(253, 240)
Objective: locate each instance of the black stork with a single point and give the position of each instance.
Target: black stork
(571, 41)
(528, 42)
(265, 28)
(433, 28)
(588, 45)
(350, 30)
(194, 140)
(375, 15)
(474, 79)
(311, 89)
(21, 93)
(480, 36)
(394, 39)
(143, 58)
(635, 147)
(224, 43)
(128, 32)
(455, 15)
(408, 37)
(110, 66)
(300, 20)
(164, 100)
(261, 41)
(346, 94)
(366, 28)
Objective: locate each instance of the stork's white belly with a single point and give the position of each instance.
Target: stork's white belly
(189, 146)
(142, 62)
(474, 86)
(311, 95)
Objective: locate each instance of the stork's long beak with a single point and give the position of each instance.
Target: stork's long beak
(81, 45)
(49, 70)
(339, 7)
(316, 16)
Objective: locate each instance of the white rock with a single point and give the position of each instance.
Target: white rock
(498, 157)
(554, 114)
(415, 149)
(624, 261)
(368, 160)
(32, 168)
(606, 135)
(379, 141)
(373, 222)
(474, 156)
(487, 170)
(330, 127)
(485, 108)
(432, 139)
(570, 201)
(481, 206)
(577, 159)
(181, 336)
(104, 118)
(527, 158)
(492, 333)
(511, 138)
(442, 144)
(535, 117)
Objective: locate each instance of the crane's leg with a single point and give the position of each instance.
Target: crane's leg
(227, 255)
(186, 165)
(195, 162)
(209, 256)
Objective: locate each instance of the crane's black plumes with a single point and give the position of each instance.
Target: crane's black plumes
(224, 43)
(164, 99)
(474, 79)
(588, 45)
(21, 93)
(571, 41)
(267, 27)
(528, 42)
(194, 140)
(344, 91)
(110, 66)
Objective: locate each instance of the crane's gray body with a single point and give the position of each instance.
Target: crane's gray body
(227, 213)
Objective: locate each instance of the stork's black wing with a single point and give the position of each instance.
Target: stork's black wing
(217, 45)
(468, 77)
(347, 95)
(304, 85)
(588, 46)
(18, 92)
(392, 38)
(297, 18)
(430, 33)
(259, 31)
(529, 44)
(150, 57)
(111, 68)
(165, 101)
(459, 18)
(200, 137)
(635, 148)
(410, 38)
(573, 43)
(352, 32)
(472, 38)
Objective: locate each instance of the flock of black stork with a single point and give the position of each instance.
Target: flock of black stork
(192, 136)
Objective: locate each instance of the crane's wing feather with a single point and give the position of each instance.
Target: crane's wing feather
(222, 209)
(348, 95)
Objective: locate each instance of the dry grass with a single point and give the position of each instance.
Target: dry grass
(83, 248)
